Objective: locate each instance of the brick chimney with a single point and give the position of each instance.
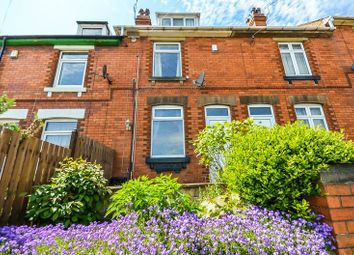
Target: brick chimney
(256, 18)
(143, 19)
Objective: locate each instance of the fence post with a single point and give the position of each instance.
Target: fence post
(74, 135)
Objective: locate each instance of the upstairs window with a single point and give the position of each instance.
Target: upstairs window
(294, 59)
(58, 132)
(262, 115)
(312, 115)
(167, 132)
(178, 22)
(92, 31)
(71, 69)
(167, 60)
(217, 113)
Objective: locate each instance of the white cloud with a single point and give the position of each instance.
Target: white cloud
(279, 12)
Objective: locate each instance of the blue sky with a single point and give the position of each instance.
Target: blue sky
(19, 17)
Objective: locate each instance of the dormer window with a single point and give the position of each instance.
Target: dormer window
(177, 19)
(93, 28)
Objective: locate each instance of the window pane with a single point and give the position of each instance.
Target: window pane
(167, 138)
(300, 111)
(167, 65)
(61, 140)
(61, 126)
(71, 74)
(288, 64)
(189, 22)
(315, 111)
(168, 113)
(260, 111)
(77, 55)
(297, 46)
(166, 22)
(283, 46)
(264, 122)
(306, 122)
(217, 112)
(167, 46)
(92, 31)
(319, 122)
(301, 63)
(178, 22)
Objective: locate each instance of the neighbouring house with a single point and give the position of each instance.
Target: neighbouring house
(147, 91)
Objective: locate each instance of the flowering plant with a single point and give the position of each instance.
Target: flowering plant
(251, 231)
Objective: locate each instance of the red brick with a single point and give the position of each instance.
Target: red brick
(337, 189)
(346, 251)
(350, 226)
(345, 241)
(333, 201)
(339, 227)
(348, 201)
(342, 214)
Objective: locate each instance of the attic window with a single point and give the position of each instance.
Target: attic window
(93, 28)
(177, 19)
(92, 31)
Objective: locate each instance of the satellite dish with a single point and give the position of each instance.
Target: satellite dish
(105, 74)
(200, 81)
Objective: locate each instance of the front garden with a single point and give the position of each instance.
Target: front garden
(256, 206)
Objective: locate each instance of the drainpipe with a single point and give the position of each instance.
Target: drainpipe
(135, 91)
(3, 47)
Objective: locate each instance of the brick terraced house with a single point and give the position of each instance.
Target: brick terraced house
(147, 92)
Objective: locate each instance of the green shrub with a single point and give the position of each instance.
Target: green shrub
(143, 193)
(76, 194)
(279, 167)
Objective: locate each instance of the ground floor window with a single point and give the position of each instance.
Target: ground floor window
(167, 126)
(217, 113)
(59, 132)
(262, 114)
(311, 114)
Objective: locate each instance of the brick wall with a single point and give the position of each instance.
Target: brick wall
(240, 68)
(337, 205)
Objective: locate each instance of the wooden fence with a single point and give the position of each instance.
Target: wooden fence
(29, 162)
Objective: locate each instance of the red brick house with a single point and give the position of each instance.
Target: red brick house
(147, 92)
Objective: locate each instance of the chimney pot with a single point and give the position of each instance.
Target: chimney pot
(256, 18)
(143, 19)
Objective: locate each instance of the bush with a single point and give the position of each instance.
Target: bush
(142, 194)
(217, 200)
(76, 194)
(279, 167)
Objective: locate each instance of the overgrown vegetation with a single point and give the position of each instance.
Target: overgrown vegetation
(274, 167)
(143, 194)
(76, 194)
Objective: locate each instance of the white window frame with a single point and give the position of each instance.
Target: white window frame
(255, 117)
(58, 133)
(184, 21)
(59, 66)
(153, 118)
(310, 117)
(167, 51)
(217, 118)
(293, 59)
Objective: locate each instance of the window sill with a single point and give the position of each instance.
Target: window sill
(154, 79)
(167, 164)
(314, 78)
(65, 89)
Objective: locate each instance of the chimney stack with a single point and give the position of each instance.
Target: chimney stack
(256, 18)
(143, 19)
